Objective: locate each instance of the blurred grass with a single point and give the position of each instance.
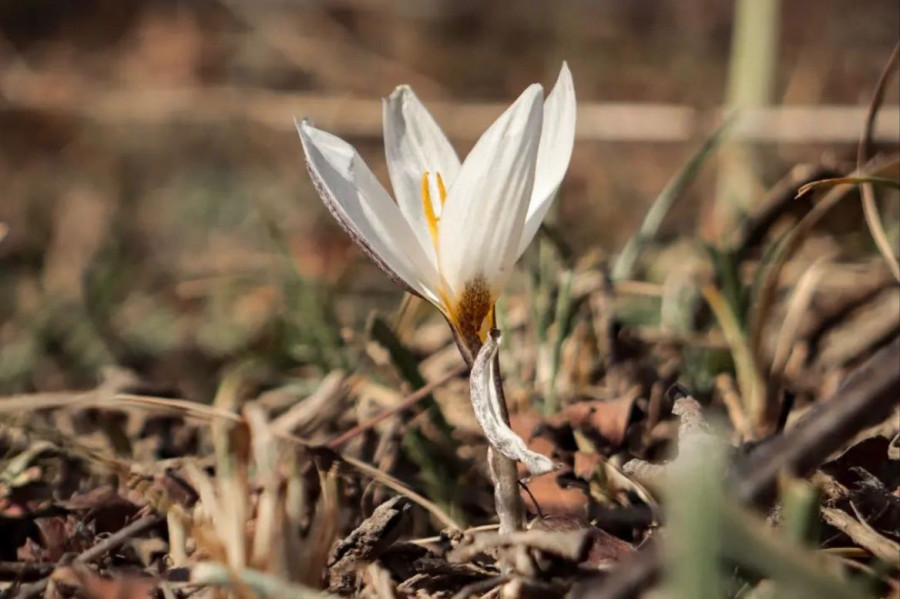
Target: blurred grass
(183, 197)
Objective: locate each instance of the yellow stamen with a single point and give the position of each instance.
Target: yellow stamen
(441, 189)
(430, 217)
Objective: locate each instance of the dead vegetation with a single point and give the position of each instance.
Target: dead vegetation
(118, 492)
(724, 409)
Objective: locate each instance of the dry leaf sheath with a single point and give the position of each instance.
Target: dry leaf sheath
(489, 412)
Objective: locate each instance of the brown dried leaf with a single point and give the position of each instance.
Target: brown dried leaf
(604, 548)
(107, 509)
(58, 536)
(606, 419)
(554, 499)
(89, 585)
(526, 425)
(586, 464)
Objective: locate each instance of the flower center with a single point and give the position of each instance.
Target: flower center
(469, 310)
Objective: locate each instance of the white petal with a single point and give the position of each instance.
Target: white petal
(364, 209)
(557, 139)
(414, 144)
(482, 221)
(488, 411)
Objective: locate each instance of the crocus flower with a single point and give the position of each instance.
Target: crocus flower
(456, 229)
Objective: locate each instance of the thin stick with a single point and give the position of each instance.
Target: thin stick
(28, 570)
(505, 471)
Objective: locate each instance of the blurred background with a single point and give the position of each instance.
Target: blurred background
(157, 213)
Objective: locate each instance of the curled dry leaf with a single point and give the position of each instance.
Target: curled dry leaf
(489, 411)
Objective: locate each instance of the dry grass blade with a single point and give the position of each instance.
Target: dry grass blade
(750, 380)
(805, 189)
(188, 408)
(21, 404)
(732, 400)
(799, 302)
(312, 410)
(267, 550)
(870, 208)
(308, 560)
(392, 483)
(207, 513)
(766, 292)
(863, 534)
(232, 468)
(18, 404)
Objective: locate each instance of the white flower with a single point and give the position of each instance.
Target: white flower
(456, 230)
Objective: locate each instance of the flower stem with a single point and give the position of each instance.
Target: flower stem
(505, 474)
(503, 470)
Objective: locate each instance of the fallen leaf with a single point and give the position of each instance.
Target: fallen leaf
(552, 498)
(58, 536)
(604, 549)
(607, 420)
(91, 586)
(586, 464)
